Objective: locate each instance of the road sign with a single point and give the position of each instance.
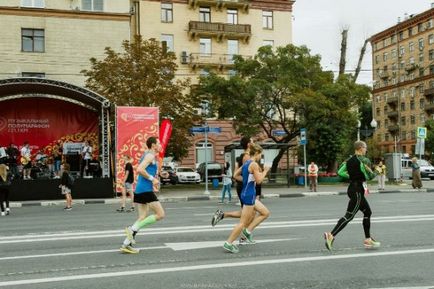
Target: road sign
(278, 132)
(420, 146)
(303, 138)
(203, 129)
(421, 132)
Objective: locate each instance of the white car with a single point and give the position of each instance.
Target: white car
(187, 175)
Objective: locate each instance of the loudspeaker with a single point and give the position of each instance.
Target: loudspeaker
(73, 161)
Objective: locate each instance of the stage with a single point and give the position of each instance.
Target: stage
(32, 190)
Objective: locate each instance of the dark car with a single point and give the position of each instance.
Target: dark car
(168, 176)
(215, 171)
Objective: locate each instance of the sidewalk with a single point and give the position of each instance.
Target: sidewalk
(184, 194)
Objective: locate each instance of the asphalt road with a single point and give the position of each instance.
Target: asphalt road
(45, 247)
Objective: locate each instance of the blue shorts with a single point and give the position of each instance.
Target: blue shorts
(248, 199)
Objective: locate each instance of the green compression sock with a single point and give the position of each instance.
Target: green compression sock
(149, 220)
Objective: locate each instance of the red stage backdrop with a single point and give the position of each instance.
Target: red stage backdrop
(43, 122)
(133, 127)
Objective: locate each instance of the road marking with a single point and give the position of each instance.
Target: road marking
(200, 229)
(174, 246)
(213, 266)
(213, 244)
(406, 287)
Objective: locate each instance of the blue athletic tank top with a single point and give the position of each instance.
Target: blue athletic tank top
(248, 180)
(144, 185)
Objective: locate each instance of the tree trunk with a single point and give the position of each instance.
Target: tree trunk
(359, 64)
(342, 61)
(276, 161)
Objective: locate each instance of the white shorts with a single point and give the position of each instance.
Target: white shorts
(128, 187)
(65, 190)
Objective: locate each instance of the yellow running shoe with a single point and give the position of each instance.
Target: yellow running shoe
(371, 244)
(128, 250)
(329, 241)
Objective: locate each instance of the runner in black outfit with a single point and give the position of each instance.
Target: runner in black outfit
(356, 193)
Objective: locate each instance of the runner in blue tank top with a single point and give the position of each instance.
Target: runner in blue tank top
(144, 196)
(250, 174)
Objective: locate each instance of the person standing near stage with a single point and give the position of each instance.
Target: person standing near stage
(57, 159)
(5, 183)
(312, 170)
(13, 153)
(381, 171)
(86, 154)
(250, 174)
(144, 196)
(26, 160)
(416, 181)
(227, 183)
(66, 183)
(127, 188)
(358, 173)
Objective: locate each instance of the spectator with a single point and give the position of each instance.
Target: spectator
(5, 183)
(417, 180)
(57, 158)
(381, 170)
(13, 153)
(66, 183)
(313, 176)
(227, 182)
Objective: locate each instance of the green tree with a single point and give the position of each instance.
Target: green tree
(429, 141)
(285, 89)
(143, 74)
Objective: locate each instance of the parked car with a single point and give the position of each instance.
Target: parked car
(168, 176)
(426, 169)
(215, 171)
(187, 175)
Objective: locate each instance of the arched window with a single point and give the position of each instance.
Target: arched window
(201, 150)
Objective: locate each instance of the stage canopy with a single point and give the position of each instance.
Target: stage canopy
(41, 88)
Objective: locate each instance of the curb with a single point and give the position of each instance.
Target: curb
(203, 198)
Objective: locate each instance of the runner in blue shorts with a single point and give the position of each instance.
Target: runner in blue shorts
(250, 174)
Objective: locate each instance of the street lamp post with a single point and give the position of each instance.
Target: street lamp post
(359, 124)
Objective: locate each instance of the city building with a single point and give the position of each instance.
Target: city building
(55, 39)
(403, 74)
(206, 34)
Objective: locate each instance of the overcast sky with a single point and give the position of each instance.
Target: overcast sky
(318, 25)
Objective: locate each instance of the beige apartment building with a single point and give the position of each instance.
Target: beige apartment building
(206, 34)
(55, 38)
(403, 73)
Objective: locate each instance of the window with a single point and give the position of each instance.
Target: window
(402, 106)
(419, 27)
(232, 49)
(167, 40)
(402, 120)
(422, 103)
(268, 43)
(413, 136)
(401, 35)
(166, 12)
(410, 31)
(92, 5)
(33, 3)
(267, 19)
(412, 105)
(385, 56)
(393, 39)
(384, 42)
(429, 24)
(386, 122)
(378, 111)
(377, 58)
(201, 150)
(420, 57)
(393, 53)
(411, 46)
(401, 50)
(33, 74)
(403, 137)
(421, 44)
(431, 54)
(204, 14)
(32, 40)
(412, 119)
(232, 16)
(386, 137)
(205, 46)
(431, 69)
(421, 71)
(430, 39)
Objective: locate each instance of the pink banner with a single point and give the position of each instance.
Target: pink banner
(165, 133)
(134, 125)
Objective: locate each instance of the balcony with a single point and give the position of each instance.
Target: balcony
(392, 114)
(411, 67)
(220, 4)
(213, 60)
(429, 107)
(393, 128)
(392, 100)
(384, 75)
(429, 92)
(219, 30)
